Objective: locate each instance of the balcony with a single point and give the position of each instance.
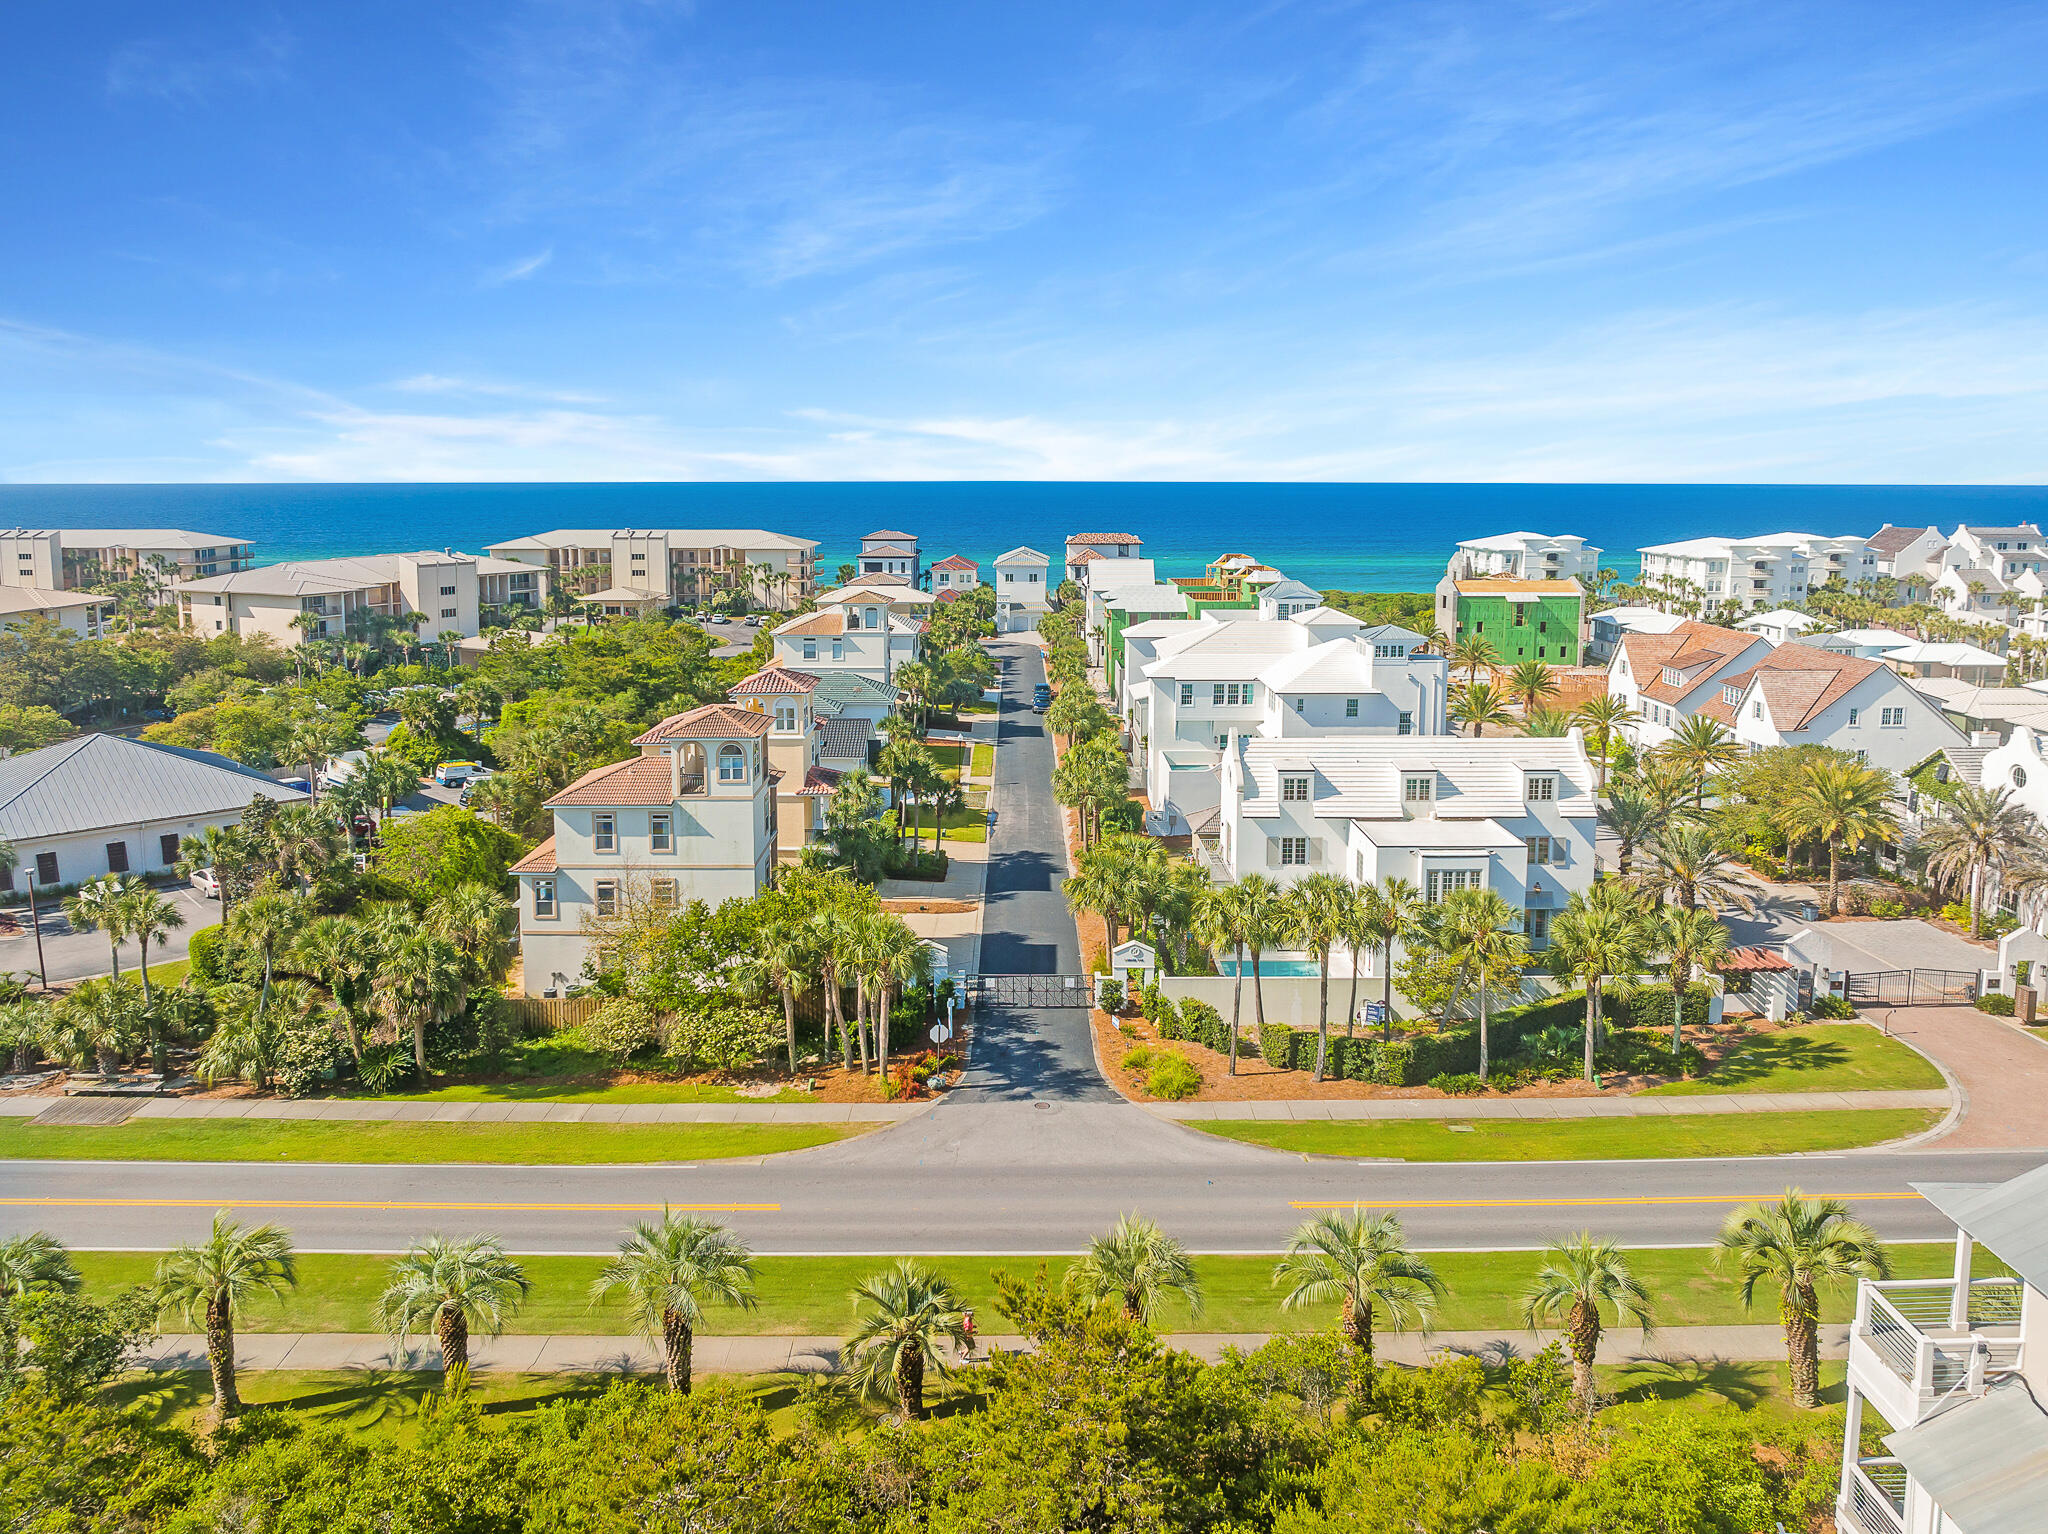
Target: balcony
(1915, 1341)
(1873, 1499)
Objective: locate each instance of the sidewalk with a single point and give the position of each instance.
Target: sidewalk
(373, 1109)
(1550, 1107)
(338, 1351)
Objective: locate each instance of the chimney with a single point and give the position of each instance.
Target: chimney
(1987, 738)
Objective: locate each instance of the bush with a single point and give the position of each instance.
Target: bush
(1172, 1078)
(1649, 1006)
(1832, 1009)
(1959, 914)
(204, 951)
(309, 1055)
(1274, 1044)
(1888, 910)
(1137, 1059)
(1997, 1003)
(902, 863)
(384, 1066)
(1202, 1024)
(619, 1029)
(1110, 996)
(1463, 1084)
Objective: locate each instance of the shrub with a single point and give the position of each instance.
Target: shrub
(1959, 914)
(619, 1029)
(384, 1066)
(1273, 1045)
(1832, 1009)
(1997, 1003)
(1172, 1078)
(1202, 1024)
(1110, 996)
(205, 953)
(1888, 910)
(1137, 1059)
(1649, 1006)
(308, 1055)
(1463, 1084)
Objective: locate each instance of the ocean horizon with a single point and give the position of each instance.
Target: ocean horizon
(1358, 537)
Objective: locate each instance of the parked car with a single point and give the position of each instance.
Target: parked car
(1041, 698)
(206, 882)
(455, 774)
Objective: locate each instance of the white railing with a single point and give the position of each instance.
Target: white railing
(1897, 1321)
(1874, 1497)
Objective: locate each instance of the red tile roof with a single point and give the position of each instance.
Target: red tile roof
(539, 861)
(637, 780)
(1687, 648)
(1109, 538)
(709, 722)
(1798, 681)
(885, 551)
(1085, 555)
(1744, 961)
(830, 621)
(774, 679)
(820, 783)
(956, 562)
(887, 532)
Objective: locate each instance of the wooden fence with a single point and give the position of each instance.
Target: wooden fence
(540, 1015)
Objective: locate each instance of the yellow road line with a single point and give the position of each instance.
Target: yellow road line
(1567, 1203)
(313, 1203)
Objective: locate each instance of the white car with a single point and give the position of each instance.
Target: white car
(205, 881)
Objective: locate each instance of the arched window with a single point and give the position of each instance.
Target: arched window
(732, 764)
(690, 768)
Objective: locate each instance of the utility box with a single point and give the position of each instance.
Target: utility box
(2026, 1002)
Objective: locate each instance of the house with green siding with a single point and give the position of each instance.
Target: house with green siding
(1525, 620)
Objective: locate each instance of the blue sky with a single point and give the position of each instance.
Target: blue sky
(1715, 242)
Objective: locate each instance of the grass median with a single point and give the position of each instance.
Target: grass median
(810, 1296)
(1650, 1137)
(286, 1140)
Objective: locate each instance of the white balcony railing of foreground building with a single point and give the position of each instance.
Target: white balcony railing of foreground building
(1934, 1336)
(1873, 1499)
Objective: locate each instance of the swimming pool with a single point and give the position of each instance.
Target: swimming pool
(1271, 969)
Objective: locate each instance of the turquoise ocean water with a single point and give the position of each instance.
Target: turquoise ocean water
(1368, 537)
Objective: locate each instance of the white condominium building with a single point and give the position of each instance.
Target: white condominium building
(692, 817)
(1023, 589)
(1512, 814)
(1529, 556)
(679, 566)
(344, 598)
(1956, 1368)
(83, 613)
(52, 560)
(1754, 573)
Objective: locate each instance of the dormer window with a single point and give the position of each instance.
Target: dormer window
(1418, 789)
(1731, 696)
(1542, 787)
(1673, 677)
(1294, 789)
(732, 764)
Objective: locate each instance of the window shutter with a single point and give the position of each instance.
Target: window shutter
(1272, 853)
(1315, 850)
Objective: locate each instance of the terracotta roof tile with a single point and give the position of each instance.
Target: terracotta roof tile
(1798, 682)
(948, 595)
(539, 861)
(1105, 538)
(1085, 555)
(1743, 961)
(830, 621)
(820, 783)
(887, 532)
(956, 562)
(637, 780)
(774, 679)
(1688, 648)
(712, 720)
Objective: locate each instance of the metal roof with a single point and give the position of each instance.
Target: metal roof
(100, 781)
(2004, 1216)
(1984, 1462)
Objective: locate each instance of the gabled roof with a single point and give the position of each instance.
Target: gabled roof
(879, 577)
(144, 538)
(849, 689)
(1328, 617)
(948, 595)
(539, 861)
(1697, 648)
(886, 532)
(830, 621)
(1107, 539)
(636, 780)
(956, 562)
(820, 783)
(1798, 682)
(94, 782)
(714, 721)
(774, 679)
(1896, 540)
(1084, 556)
(1291, 590)
(1336, 666)
(36, 599)
(1022, 555)
(886, 551)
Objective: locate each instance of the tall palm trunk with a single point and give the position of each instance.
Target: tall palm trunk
(882, 1026)
(1582, 1338)
(910, 1383)
(1387, 992)
(142, 942)
(1236, 1005)
(1351, 1012)
(1800, 1311)
(451, 1330)
(676, 1340)
(220, 1358)
(419, 1044)
(1484, 1066)
(1258, 1001)
(1322, 1010)
(1681, 982)
(1355, 1323)
(835, 1014)
(860, 1021)
(1834, 875)
(1592, 1022)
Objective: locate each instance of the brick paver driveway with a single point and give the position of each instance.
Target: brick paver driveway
(2003, 1074)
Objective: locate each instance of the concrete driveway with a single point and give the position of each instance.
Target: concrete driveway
(72, 955)
(2002, 1071)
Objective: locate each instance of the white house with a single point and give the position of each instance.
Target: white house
(340, 596)
(1512, 814)
(1799, 696)
(63, 560)
(1963, 662)
(1313, 677)
(2019, 768)
(1604, 629)
(1957, 1367)
(866, 636)
(99, 804)
(1781, 626)
(1776, 570)
(955, 573)
(1864, 644)
(693, 817)
(679, 566)
(1022, 593)
(1666, 678)
(1910, 556)
(83, 613)
(889, 552)
(1106, 546)
(1529, 556)
(1284, 598)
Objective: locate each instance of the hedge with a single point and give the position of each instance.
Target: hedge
(1413, 1061)
(1198, 1023)
(1649, 1006)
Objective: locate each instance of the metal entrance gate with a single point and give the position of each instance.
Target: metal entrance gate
(1032, 991)
(1912, 988)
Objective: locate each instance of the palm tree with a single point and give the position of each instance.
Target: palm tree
(456, 1287)
(1689, 863)
(100, 1018)
(1098, 885)
(1693, 942)
(1602, 718)
(29, 1263)
(101, 905)
(1140, 1267)
(479, 922)
(1601, 933)
(668, 1270)
(786, 949)
(1634, 819)
(1579, 1276)
(1268, 923)
(1473, 654)
(208, 1281)
(343, 954)
(1361, 1261)
(1357, 932)
(1801, 1245)
(1547, 723)
(270, 922)
(1843, 804)
(1480, 936)
(1980, 829)
(1531, 684)
(148, 918)
(1703, 747)
(912, 1311)
(1395, 910)
(1316, 906)
(305, 841)
(1478, 704)
(1220, 923)
(421, 979)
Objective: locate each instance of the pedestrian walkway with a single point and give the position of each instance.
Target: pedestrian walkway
(1550, 1107)
(373, 1109)
(335, 1352)
(2001, 1071)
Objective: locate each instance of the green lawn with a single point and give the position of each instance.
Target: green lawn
(1820, 1057)
(572, 1090)
(1704, 1134)
(969, 823)
(169, 971)
(809, 1296)
(949, 756)
(384, 1143)
(984, 764)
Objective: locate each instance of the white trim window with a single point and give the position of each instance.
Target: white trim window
(544, 907)
(785, 718)
(1539, 848)
(732, 764)
(661, 894)
(607, 892)
(1229, 694)
(1439, 882)
(1892, 716)
(1293, 851)
(1418, 788)
(1542, 787)
(1407, 724)
(661, 836)
(1350, 708)
(1294, 789)
(604, 832)
(1187, 692)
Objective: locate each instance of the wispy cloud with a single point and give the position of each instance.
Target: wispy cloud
(438, 383)
(168, 71)
(520, 270)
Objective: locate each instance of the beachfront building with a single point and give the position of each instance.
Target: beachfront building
(1666, 678)
(1782, 626)
(1745, 574)
(1910, 557)
(1957, 1369)
(358, 597)
(693, 817)
(1529, 557)
(889, 552)
(99, 804)
(1083, 548)
(1022, 593)
(862, 634)
(1606, 629)
(49, 559)
(82, 612)
(1524, 620)
(1310, 678)
(1801, 696)
(1511, 813)
(679, 567)
(955, 573)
